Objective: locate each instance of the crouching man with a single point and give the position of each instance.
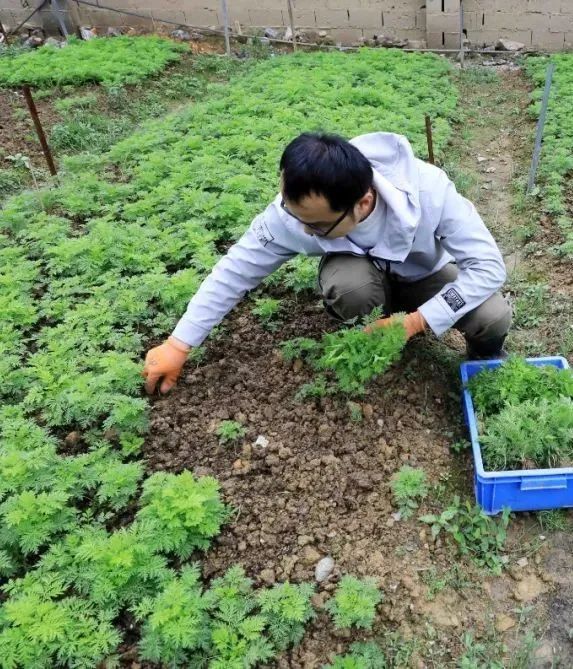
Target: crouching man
(392, 231)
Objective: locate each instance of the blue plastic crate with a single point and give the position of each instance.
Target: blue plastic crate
(520, 490)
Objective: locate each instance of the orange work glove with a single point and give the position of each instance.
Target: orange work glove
(165, 361)
(414, 324)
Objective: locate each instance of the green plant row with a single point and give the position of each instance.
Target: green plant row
(121, 60)
(63, 611)
(525, 415)
(557, 154)
(106, 260)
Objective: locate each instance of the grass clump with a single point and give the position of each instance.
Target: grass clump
(476, 534)
(409, 487)
(363, 655)
(121, 60)
(354, 602)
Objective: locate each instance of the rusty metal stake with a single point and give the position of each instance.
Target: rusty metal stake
(39, 130)
(430, 140)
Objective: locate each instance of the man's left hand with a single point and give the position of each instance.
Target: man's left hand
(414, 324)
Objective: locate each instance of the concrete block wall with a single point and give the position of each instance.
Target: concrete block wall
(542, 24)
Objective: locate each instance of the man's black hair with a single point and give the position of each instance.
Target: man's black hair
(327, 165)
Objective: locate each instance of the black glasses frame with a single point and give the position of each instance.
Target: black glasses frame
(313, 226)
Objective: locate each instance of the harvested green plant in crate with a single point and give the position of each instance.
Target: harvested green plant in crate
(516, 381)
(525, 415)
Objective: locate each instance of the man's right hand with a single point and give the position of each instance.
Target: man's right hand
(165, 362)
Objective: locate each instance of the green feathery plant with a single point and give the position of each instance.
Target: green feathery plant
(409, 487)
(287, 609)
(356, 357)
(229, 431)
(363, 655)
(185, 512)
(354, 602)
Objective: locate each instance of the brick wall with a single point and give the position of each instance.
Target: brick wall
(544, 24)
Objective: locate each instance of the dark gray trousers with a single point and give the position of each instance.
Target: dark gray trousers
(351, 286)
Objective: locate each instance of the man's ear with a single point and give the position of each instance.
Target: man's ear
(366, 200)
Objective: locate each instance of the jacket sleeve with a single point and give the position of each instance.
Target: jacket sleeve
(463, 234)
(265, 246)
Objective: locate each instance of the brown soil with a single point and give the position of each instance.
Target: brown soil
(321, 486)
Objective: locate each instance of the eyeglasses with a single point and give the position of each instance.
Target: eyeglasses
(320, 231)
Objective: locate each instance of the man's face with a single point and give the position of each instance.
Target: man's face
(318, 219)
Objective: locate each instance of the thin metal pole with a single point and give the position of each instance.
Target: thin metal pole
(58, 13)
(430, 139)
(39, 130)
(540, 128)
(4, 33)
(226, 26)
(462, 36)
(291, 19)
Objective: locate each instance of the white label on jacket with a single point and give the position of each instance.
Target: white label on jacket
(453, 299)
(262, 232)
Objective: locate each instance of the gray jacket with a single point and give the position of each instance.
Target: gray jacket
(426, 224)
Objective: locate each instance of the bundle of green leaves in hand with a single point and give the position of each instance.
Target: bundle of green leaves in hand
(356, 356)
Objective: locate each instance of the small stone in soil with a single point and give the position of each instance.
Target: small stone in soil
(261, 442)
(504, 622)
(323, 569)
(528, 589)
(267, 576)
(310, 555)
